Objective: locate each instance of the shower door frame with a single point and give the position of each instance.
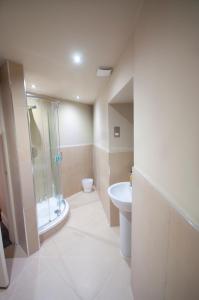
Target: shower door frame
(59, 196)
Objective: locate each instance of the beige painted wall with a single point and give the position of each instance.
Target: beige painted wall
(166, 72)
(9, 202)
(122, 74)
(12, 154)
(120, 148)
(100, 153)
(76, 122)
(102, 159)
(164, 117)
(4, 196)
(2, 174)
(18, 145)
(163, 60)
(166, 152)
(76, 139)
(121, 115)
(115, 154)
(100, 124)
(3, 186)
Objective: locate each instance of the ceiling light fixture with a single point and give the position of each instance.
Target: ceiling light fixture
(77, 97)
(33, 86)
(77, 59)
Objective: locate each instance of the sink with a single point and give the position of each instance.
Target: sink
(121, 196)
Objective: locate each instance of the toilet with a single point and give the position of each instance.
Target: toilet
(87, 184)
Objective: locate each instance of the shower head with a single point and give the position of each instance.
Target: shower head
(32, 107)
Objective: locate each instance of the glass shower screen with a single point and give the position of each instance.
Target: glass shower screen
(43, 116)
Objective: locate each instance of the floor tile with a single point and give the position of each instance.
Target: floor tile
(118, 286)
(81, 261)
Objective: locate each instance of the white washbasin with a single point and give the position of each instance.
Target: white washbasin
(121, 195)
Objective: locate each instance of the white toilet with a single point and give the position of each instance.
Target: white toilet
(87, 184)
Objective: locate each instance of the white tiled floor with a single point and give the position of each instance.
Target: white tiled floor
(81, 262)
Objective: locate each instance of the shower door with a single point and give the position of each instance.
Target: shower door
(46, 158)
(4, 280)
(55, 153)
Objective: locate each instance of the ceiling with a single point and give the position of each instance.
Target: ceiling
(43, 35)
(125, 95)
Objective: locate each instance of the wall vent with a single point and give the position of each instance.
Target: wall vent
(104, 71)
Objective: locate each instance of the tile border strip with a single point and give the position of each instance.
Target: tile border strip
(169, 198)
(75, 145)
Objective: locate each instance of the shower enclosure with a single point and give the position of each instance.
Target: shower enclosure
(43, 117)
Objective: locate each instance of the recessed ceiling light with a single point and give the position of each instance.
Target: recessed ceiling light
(33, 86)
(77, 97)
(77, 58)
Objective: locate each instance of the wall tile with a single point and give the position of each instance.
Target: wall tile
(150, 229)
(165, 247)
(102, 177)
(120, 166)
(183, 260)
(76, 165)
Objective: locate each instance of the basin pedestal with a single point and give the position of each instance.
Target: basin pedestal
(121, 196)
(125, 233)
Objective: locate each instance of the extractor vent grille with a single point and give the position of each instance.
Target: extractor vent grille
(104, 71)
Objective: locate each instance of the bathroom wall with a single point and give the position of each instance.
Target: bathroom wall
(120, 148)
(2, 176)
(75, 123)
(76, 139)
(121, 76)
(166, 51)
(101, 154)
(3, 184)
(19, 159)
(102, 177)
(8, 215)
(165, 245)
(166, 150)
(121, 114)
(162, 58)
